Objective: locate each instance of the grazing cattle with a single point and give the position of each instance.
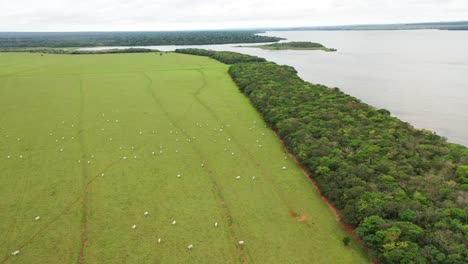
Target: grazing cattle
(133, 227)
(283, 168)
(159, 240)
(174, 222)
(216, 224)
(16, 252)
(190, 246)
(237, 177)
(241, 242)
(146, 213)
(37, 218)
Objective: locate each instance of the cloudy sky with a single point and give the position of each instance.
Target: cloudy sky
(137, 15)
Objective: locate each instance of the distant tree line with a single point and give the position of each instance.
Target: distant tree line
(91, 39)
(405, 190)
(78, 52)
(222, 56)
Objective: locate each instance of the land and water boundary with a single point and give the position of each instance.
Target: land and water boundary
(404, 190)
(293, 45)
(126, 39)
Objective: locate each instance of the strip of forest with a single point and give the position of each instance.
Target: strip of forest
(404, 190)
(104, 39)
(79, 52)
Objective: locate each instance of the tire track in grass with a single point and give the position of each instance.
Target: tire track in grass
(68, 207)
(349, 229)
(217, 190)
(85, 175)
(50, 223)
(18, 205)
(86, 183)
(25, 183)
(252, 157)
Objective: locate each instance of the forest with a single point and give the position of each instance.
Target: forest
(78, 52)
(404, 190)
(294, 45)
(96, 39)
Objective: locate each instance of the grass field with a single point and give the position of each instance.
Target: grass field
(66, 124)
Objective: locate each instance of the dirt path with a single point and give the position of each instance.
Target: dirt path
(330, 205)
(85, 176)
(217, 190)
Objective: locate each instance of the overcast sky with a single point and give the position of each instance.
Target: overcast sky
(137, 15)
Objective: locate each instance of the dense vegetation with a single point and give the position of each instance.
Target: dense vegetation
(87, 39)
(405, 190)
(77, 52)
(227, 57)
(294, 45)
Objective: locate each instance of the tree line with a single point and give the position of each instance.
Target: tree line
(91, 39)
(405, 190)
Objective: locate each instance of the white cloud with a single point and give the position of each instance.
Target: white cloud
(136, 15)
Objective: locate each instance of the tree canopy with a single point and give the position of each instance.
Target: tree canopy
(91, 39)
(404, 189)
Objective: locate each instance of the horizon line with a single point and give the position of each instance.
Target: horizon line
(246, 29)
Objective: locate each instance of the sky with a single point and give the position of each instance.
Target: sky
(161, 15)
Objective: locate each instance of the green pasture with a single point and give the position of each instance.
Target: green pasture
(67, 123)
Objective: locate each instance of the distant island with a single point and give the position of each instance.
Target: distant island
(293, 46)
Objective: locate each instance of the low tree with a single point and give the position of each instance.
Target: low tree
(346, 240)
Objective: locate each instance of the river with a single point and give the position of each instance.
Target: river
(420, 76)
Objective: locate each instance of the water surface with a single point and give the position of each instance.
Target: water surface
(421, 76)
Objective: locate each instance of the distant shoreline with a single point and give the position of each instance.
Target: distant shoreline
(292, 46)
